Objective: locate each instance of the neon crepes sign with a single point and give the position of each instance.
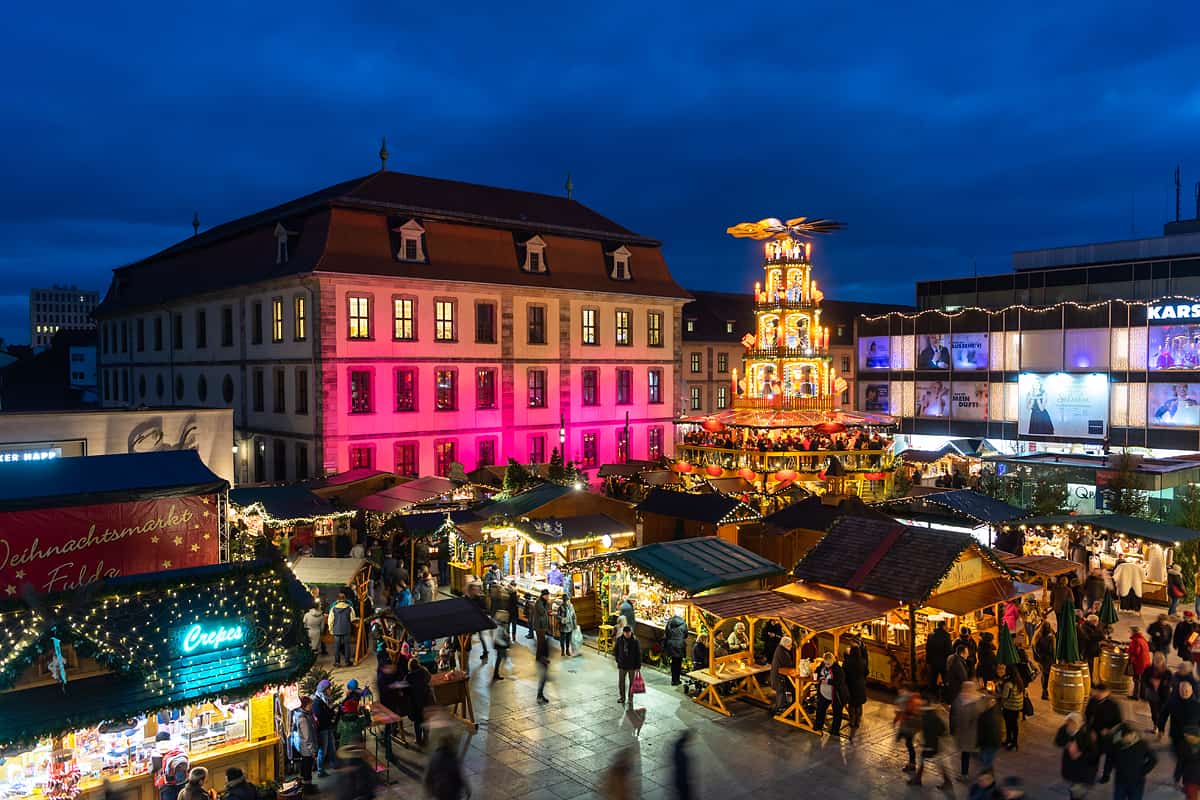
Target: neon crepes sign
(207, 637)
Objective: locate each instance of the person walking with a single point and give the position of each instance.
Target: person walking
(1059, 594)
(988, 736)
(1155, 689)
(1160, 635)
(831, 692)
(1011, 691)
(854, 667)
(1102, 716)
(1134, 760)
(341, 619)
(418, 692)
(907, 722)
(972, 656)
(957, 673)
(1175, 588)
(501, 641)
(195, 789)
(1044, 643)
(304, 742)
(541, 655)
(964, 716)
(1180, 639)
(325, 714)
(681, 762)
(444, 779)
(784, 657)
(314, 626)
(475, 595)
(938, 649)
(986, 668)
(675, 646)
(566, 625)
(1138, 651)
(539, 620)
(1079, 756)
(627, 652)
(1183, 713)
(933, 729)
(513, 604)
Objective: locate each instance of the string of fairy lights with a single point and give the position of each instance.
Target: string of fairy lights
(1073, 304)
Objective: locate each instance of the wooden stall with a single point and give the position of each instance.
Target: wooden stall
(963, 510)
(297, 521)
(920, 576)
(667, 515)
(328, 576)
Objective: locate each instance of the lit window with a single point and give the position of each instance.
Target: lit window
(694, 395)
(300, 319)
(406, 459)
(404, 311)
(485, 388)
(446, 398)
(360, 392)
(277, 319)
(722, 396)
(589, 450)
(443, 457)
(654, 443)
(589, 325)
(537, 388)
(728, 327)
(722, 362)
(360, 317)
(695, 360)
(444, 330)
(406, 390)
(654, 386)
(622, 444)
(654, 333)
(624, 327)
(691, 326)
(362, 458)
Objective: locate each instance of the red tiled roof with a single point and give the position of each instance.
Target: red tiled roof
(471, 234)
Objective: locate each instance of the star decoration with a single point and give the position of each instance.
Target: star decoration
(166, 564)
(11, 590)
(153, 540)
(178, 540)
(205, 514)
(207, 536)
(20, 574)
(195, 548)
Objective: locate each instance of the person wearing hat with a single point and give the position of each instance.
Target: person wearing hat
(1159, 635)
(325, 715)
(628, 654)
(1133, 761)
(195, 789)
(237, 787)
(1102, 716)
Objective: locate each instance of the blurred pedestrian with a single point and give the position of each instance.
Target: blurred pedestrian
(1102, 716)
(854, 667)
(1133, 762)
(1160, 634)
(964, 715)
(907, 722)
(1079, 755)
(444, 779)
(682, 764)
(355, 779)
(475, 595)
(984, 787)
(618, 780)
(1183, 712)
(1155, 689)
(542, 656)
(933, 729)
(500, 642)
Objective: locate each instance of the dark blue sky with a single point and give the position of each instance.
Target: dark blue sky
(942, 136)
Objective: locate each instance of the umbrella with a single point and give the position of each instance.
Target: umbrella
(1006, 652)
(714, 470)
(713, 425)
(829, 427)
(748, 474)
(1067, 650)
(1108, 612)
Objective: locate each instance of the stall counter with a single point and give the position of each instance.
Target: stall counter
(256, 759)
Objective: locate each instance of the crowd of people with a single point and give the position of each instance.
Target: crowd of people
(788, 441)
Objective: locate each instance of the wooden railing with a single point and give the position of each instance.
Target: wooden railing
(810, 461)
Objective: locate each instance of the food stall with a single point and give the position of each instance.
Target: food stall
(328, 576)
(964, 510)
(96, 686)
(1102, 540)
(918, 576)
(293, 518)
(662, 579)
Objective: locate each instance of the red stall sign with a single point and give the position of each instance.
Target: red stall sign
(59, 549)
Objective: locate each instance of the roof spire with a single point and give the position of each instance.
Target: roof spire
(570, 187)
(383, 154)
(195, 223)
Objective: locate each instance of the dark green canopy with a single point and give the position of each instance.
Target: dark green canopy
(1006, 651)
(1067, 651)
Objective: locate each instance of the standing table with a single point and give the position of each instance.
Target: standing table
(741, 674)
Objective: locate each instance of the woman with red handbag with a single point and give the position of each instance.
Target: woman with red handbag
(628, 654)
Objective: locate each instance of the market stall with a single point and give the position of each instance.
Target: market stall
(456, 617)
(293, 518)
(963, 510)
(661, 579)
(328, 576)
(1104, 540)
(666, 515)
(440, 536)
(920, 576)
(95, 686)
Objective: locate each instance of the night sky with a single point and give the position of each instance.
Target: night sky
(945, 136)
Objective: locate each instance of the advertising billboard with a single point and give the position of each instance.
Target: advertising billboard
(57, 549)
(876, 398)
(933, 399)
(1173, 346)
(873, 352)
(1059, 404)
(933, 352)
(1174, 405)
(969, 351)
(969, 401)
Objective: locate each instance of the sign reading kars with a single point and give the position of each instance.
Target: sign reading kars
(212, 636)
(1173, 311)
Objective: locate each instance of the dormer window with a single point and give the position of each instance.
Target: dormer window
(535, 255)
(620, 264)
(281, 243)
(412, 242)
(729, 326)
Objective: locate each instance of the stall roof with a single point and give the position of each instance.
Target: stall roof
(886, 558)
(828, 615)
(694, 565)
(1048, 566)
(556, 530)
(522, 503)
(283, 502)
(456, 616)
(628, 469)
(812, 615)
(88, 480)
(922, 456)
(711, 508)
(343, 478)
(1136, 527)
(406, 495)
(983, 594)
(734, 485)
(314, 571)
(814, 515)
(152, 673)
(967, 503)
(755, 602)
(432, 521)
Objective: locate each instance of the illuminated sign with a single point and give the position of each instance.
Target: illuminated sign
(1173, 311)
(29, 455)
(211, 636)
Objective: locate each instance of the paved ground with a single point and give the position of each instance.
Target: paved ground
(561, 750)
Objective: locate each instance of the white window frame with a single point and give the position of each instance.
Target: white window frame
(620, 266)
(410, 231)
(535, 245)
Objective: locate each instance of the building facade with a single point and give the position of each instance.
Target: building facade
(405, 324)
(59, 308)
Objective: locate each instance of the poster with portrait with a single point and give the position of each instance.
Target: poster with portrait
(969, 401)
(1059, 404)
(933, 399)
(876, 398)
(874, 352)
(933, 351)
(1173, 405)
(1173, 346)
(969, 351)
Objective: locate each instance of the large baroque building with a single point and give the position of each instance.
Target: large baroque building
(405, 323)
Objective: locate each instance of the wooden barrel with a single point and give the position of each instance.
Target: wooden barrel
(1070, 685)
(1112, 668)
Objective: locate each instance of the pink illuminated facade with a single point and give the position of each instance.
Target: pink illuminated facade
(403, 324)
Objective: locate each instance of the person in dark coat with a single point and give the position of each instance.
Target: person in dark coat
(854, 668)
(831, 691)
(1093, 588)
(1183, 712)
(1183, 632)
(675, 645)
(1079, 756)
(957, 673)
(783, 658)
(699, 654)
(986, 669)
(444, 779)
(237, 787)
(1155, 689)
(1059, 594)
(972, 657)
(418, 693)
(513, 604)
(1133, 761)
(1090, 639)
(1102, 716)
(772, 633)
(1044, 644)
(937, 649)
(627, 652)
(1159, 634)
